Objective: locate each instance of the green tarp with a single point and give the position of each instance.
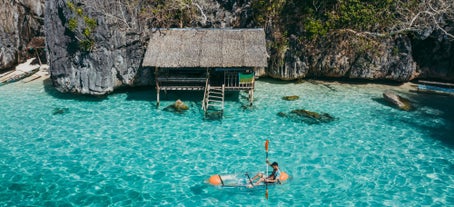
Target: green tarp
(246, 77)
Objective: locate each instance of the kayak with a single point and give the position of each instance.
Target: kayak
(240, 180)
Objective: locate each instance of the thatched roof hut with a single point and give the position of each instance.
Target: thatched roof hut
(208, 48)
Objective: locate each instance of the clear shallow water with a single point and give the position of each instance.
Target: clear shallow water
(121, 150)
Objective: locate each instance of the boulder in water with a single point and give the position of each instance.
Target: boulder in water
(396, 100)
(291, 98)
(308, 117)
(178, 106)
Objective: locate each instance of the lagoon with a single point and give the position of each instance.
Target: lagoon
(120, 150)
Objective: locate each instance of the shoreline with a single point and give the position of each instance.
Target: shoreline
(43, 77)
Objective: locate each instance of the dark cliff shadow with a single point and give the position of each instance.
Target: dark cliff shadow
(141, 93)
(52, 91)
(445, 106)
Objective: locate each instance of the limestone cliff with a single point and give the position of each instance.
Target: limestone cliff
(344, 55)
(20, 21)
(90, 52)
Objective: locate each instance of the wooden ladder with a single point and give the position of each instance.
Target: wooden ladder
(213, 99)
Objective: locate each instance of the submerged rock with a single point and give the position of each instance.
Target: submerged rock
(60, 111)
(308, 117)
(291, 98)
(214, 115)
(396, 100)
(282, 114)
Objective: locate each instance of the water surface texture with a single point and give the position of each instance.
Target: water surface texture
(63, 150)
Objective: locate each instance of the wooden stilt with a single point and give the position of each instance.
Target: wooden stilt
(251, 96)
(37, 55)
(157, 86)
(157, 96)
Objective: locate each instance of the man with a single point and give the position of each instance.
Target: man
(272, 178)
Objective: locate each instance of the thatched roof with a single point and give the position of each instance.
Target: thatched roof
(206, 48)
(37, 42)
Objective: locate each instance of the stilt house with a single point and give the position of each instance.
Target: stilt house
(212, 60)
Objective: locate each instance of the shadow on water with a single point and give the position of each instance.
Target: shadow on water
(430, 107)
(133, 93)
(383, 102)
(147, 93)
(52, 91)
(445, 106)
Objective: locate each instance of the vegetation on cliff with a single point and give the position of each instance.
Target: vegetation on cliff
(81, 27)
(311, 21)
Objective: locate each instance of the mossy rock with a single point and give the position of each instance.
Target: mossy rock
(178, 107)
(282, 114)
(302, 112)
(214, 115)
(406, 104)
(291, 98)
(308, 117)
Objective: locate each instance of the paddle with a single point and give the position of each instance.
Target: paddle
(266, 184)
(250, 181)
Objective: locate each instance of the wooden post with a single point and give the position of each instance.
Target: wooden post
(157, 86)
(39, 59)
(251, 91)
(157, 96)
(251, 96)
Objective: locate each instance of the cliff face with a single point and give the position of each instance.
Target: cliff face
(96, 46)
(90, 53)
(343, 55)
(20, 21)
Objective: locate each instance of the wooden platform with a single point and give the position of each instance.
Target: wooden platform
(236, 79)
(433, 87)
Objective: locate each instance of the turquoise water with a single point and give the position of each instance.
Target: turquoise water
(63, 150)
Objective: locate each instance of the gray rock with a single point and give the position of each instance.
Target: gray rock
(113, 61)
(20, 21)
(344, 55)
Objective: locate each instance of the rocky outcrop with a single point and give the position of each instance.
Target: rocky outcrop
(398, 101)
(343, 54)
(20, 21)
(109, 56)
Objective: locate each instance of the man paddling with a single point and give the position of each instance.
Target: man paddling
(272, 178)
